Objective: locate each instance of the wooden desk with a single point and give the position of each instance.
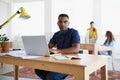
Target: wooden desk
(96, 47)
(81, 69)
(93, 47)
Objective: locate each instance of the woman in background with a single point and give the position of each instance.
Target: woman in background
(108, 42)
(92, 33)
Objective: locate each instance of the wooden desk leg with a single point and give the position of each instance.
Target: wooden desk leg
(1, 65)
(113, 65)
(113, 62)
(104, 73)
(80, 77)
(16, 69)
(84, 75)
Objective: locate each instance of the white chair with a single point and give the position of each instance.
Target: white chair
(106, 53)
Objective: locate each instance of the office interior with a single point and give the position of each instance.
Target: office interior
(44, 13)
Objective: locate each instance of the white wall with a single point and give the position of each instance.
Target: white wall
(32, 26)
(17, 27)
(48, 16)
(4, 15)
(110, 16)
(80, 12)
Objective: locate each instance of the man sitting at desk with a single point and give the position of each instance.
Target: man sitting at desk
(67, 40)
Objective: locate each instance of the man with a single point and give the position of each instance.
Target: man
(67, 40)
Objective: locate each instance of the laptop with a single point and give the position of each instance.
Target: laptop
(35, 45)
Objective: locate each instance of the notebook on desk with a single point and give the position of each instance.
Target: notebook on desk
(35, 45)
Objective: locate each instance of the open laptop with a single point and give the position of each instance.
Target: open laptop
(35, 45)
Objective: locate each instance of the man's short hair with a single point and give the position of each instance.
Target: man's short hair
(63, 15)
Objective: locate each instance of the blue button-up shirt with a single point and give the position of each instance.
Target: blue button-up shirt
(65, 39)
(110, 44)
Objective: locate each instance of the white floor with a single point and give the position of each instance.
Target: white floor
(8, 68)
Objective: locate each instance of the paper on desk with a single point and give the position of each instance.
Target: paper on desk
(68, 57)
(60, 57)
(2, 54)
(21, 54)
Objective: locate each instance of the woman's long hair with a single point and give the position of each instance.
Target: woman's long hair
(109, 36)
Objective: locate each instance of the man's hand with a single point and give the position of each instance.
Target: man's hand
(55, 51)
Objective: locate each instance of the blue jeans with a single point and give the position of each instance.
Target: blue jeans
(103, 52)
(48, 75)
(109, 53)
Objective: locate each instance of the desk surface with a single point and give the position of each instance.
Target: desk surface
(85, 60)
(97, 47)
(87, 64)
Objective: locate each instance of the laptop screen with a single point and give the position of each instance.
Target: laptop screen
(35, 45)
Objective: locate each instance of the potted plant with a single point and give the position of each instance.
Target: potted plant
(4, 42)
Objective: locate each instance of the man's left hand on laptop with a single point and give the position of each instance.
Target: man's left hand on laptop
(55, 51)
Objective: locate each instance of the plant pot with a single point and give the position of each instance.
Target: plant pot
(5, 47)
